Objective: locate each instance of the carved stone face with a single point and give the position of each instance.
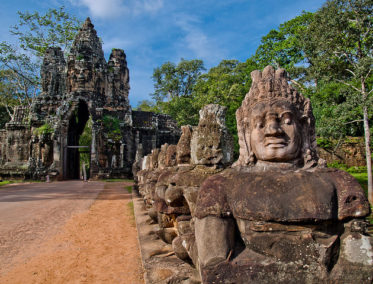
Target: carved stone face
(84, 74)
(275, 132)
(81, 75)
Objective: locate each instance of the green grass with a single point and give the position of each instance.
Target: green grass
(132, 212)
(129, 188)
(4, 182)
(118, 180)
(362, 178)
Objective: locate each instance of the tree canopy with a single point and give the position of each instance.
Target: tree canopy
(341, 37)
(284, 48)
(328, 55)
(171, 80)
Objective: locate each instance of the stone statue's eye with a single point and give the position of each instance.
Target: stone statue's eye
(286, 119)
(260, 124)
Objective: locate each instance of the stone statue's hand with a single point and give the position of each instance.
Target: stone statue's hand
(214, 238)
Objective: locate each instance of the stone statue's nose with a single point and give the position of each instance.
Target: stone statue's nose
(273, 128)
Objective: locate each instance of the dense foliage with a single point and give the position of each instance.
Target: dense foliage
(112, 127)
(85, 139)
(328, 55)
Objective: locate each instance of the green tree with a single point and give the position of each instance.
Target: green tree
(342, 39)
(284, 48)
(18, 78)
(147, 105)
(4, 117)
(36, 32)
(336, 110)
(20, 63)
(227, 85)
(171, 80)
(86, 140)
(182, 109)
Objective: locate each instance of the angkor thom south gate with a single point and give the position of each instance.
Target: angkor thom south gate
(44, 140)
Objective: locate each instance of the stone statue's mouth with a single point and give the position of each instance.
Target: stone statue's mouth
(275, 142)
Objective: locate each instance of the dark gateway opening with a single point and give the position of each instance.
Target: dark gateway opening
(77, 123)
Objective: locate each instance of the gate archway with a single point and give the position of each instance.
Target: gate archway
(71, 153)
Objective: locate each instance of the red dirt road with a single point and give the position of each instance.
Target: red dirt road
(68, 232)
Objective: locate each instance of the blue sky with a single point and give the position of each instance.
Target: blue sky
(152, 32)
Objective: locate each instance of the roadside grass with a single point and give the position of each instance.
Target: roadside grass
(118, 180)
(129, 188)
(362, 178)
(5, 182)
(132, 212)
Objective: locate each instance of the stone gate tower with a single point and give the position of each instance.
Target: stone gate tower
(46, 139)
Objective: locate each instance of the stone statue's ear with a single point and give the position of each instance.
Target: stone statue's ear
(305, 121)
(307, 111)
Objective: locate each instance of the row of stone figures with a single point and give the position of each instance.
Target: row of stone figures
(276, 215)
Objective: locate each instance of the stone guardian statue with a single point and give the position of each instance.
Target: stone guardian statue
(278, 215)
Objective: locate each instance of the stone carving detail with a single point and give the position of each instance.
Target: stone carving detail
(268, 88)
(86, 66)
(85, 88)
(278, 215)
(171, 186)
(293, 216)
(183, 146)
(118, 79)
(211, 144)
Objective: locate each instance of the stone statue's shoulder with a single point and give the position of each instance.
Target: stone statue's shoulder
(352, 202)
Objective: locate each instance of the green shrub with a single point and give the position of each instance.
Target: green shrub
(356, 169)
(112, 125)
(132, 212)
(46, 128)
(324, 143)
(338, 165)
(4, 182)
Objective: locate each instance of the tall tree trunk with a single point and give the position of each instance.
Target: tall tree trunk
(368, 154)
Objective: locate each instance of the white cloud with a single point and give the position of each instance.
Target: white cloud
(197, 41)
(113, 8)
(102, 8)
(150, 6)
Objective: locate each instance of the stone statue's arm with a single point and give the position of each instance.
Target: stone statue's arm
(352, 201)
(214, 238)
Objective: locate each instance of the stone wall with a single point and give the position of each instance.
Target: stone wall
(15, 144)
(350, 151)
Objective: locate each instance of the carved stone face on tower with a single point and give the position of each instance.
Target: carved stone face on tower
(82, 79)
(275, 132)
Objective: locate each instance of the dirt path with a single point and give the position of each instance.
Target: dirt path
(98, 245)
